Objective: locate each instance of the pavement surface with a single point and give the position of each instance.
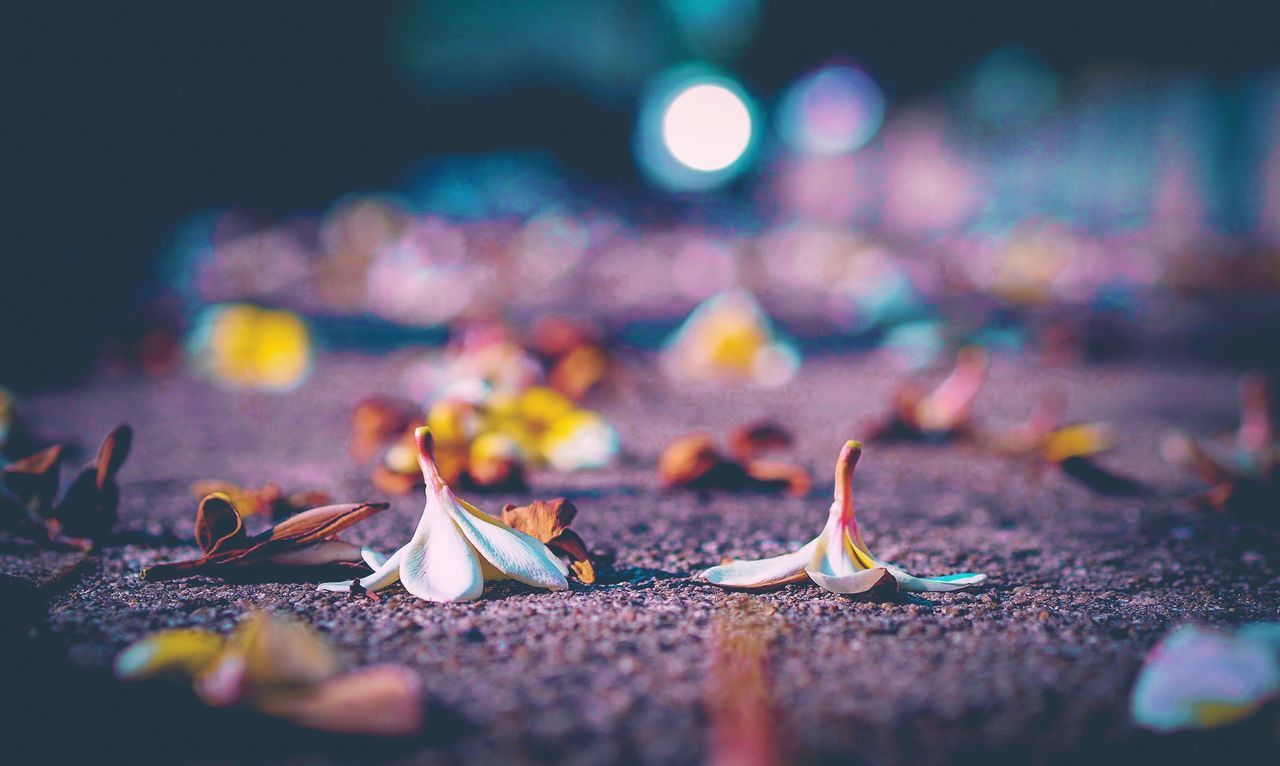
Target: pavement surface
(1034, 666)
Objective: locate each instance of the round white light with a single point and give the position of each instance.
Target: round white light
(707, 127)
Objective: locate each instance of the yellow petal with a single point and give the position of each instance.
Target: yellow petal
(1081, 440)
(186, 651)
(278, 650)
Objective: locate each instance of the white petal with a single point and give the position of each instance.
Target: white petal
(443, 566)
(913, 584)
(382, 576)
(831, 558)
(763, 573)
(515, 554)
(857, 582)
(374, 559)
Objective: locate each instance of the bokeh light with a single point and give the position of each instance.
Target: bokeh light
(706, 127)
(833, 110)
(251, 347)
(696, 130)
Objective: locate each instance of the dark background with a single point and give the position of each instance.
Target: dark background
(128, 117)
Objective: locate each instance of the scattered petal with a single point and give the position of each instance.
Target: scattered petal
(548, 521)
(184, 652)
(1198, 678)
(837, 560)
(308, 539)
(282, 668)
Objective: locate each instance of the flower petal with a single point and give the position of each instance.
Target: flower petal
(834, 556)
(383, 575)
(384, 700)
(913, 584)
(372, 558)
(857, 582)
(183, 651)
(515, 554)
(439, 565)
(763, 573)
(319, 554)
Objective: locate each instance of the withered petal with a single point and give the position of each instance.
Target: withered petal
(321, 523)
(543, 519)
(219, 527)
(111, 455)
(689, 460)
(570, 545)
(87, 510)
(34, 479)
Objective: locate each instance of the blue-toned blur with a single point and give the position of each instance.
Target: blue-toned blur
(232, 189)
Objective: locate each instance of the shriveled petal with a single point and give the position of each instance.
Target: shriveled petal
(320, 554)
(384, 701)
(442, 566)
(763, 573)
(385, 574)
(515, 554)
(857, 582)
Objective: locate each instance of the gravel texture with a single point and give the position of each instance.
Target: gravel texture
(1035, 666)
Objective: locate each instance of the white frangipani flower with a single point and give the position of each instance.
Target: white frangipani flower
(837, 559)
(457, 548)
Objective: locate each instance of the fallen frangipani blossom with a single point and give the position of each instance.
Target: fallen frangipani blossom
(837, 559)
(457, 548)
(86, 512)
(729, 340)
(1073, 448)
(940, 415)
(281, 668)
(694, 462)
(1247, 481)
(267, 500)
(309, 539)
(1198, 678)
(548, 521)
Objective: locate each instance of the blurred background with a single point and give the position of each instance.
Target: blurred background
(1081, 180)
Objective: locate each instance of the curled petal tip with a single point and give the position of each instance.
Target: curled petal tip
(853, 445)
(422, 436)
